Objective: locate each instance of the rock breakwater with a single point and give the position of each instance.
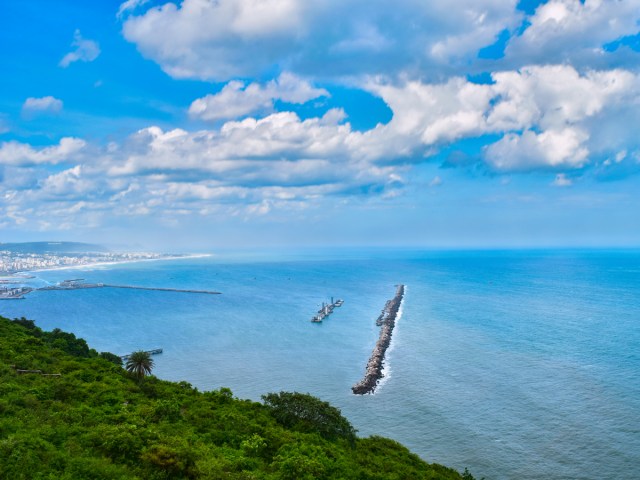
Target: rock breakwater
(386, 320)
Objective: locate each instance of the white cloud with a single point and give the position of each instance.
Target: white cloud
(215, 40)
(435, 181)
(561, 180)
(556, 95)
(278, 148)
(47, 104)
(435, 112)
(549, 149)
(84, 50)
(129, 6)
(68, 183)
(550, 118)
(243, 168)
(332, 39)
(483, 21)
(16, 153)
(236, 99)
(574, 31)
(550, 112)
(219, 40)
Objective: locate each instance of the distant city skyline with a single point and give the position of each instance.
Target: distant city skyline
(196, 125)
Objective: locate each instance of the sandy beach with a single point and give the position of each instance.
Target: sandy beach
(89, 266)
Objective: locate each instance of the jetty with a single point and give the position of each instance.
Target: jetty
(78, 284)
(155, 351)
(387, 321)
(14, 293)
(158, 289)
(326, 310)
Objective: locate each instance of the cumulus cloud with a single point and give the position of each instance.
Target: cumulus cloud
(85, 50)
(237, 99)
(574, 31)
(249, 167)
(219, 40)
(546, 118)
(49, 104)
(549, 149)
(179, 173)
(277, 149)
(546, 114)
(484, 22)
(16, 153)
(553, 96)
(70, 183)
(330, 39)
(215, 40)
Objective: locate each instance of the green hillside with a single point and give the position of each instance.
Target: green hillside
(96, 421)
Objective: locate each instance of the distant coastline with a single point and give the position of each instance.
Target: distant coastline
(12, 288)
(21, 258)
(104, 264)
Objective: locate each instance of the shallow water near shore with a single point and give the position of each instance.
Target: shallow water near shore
(515, 364)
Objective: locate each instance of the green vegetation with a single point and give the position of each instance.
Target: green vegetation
(97, 421)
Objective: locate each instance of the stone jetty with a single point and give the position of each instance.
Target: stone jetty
(387, 321)
(78, 284)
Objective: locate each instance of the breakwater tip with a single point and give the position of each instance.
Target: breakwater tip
(375, 365)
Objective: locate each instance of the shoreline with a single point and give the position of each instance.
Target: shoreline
(104, 264)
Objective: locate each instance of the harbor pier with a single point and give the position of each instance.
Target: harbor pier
(326, 310)
(155, 351)
(78, 284)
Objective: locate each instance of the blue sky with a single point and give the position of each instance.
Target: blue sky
(197, 124)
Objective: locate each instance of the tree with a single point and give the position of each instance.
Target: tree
(140, 364)
(112, 357)
(306, 413)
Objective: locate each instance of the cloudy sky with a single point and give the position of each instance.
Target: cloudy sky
(239, 123)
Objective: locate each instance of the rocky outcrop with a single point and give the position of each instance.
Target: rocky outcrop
(387, 321)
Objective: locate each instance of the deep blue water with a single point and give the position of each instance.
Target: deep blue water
(516, 364)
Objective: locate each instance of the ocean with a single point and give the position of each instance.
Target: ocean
(515, 364)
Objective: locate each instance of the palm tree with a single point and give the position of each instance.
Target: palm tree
(139, 363)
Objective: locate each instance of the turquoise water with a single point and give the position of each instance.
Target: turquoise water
(514, 364)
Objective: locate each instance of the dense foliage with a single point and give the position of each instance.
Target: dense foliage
(97, 421)
(303, 412)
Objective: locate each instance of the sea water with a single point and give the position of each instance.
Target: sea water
(515, 364)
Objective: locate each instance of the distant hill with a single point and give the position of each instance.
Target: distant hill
(53, 247)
